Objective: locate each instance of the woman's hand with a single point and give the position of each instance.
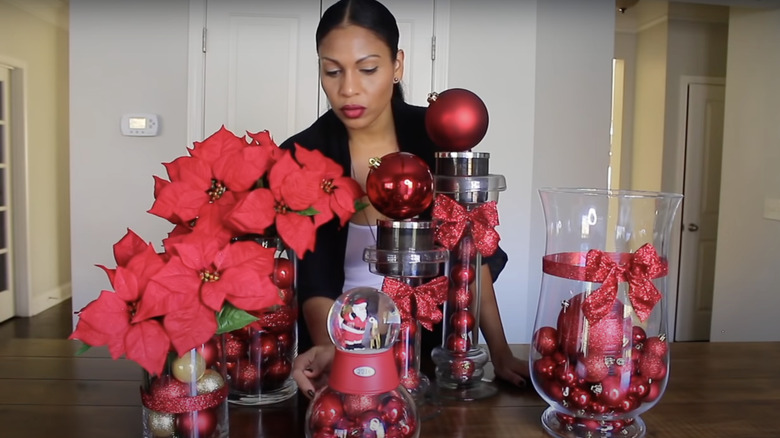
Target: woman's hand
(311, 368)
(510, 369)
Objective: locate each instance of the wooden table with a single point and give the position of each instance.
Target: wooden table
(715, 390)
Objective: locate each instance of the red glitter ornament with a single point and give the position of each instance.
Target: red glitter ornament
(393, 410)
(462, 369)
(327, 410)
(458, 344)
(656, 346)
(197, 424)
(606, 335)
(463, 274)
(463, 298)
(545, 340)
(456, 119)
(245, 376)
(400, 185)
(283, 273)
(652, 367)
(167, 387)
(462, 322)
(411, 379)
(235, 348)
(592, 368)
(356, 404)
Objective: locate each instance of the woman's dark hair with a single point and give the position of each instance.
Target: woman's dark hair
(368, 14)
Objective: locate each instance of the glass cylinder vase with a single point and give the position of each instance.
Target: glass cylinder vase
(189, 398)
(599, 353)
(259, 356)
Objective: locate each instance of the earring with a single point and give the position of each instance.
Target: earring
(396, 80)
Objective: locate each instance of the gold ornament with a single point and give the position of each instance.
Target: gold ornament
(189, 368)
(162, 425)
(210, 382)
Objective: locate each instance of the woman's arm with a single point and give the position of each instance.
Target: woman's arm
(315, 312)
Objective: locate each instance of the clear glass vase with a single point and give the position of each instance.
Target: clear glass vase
(259, 356)
(189, 398)
(600, 354)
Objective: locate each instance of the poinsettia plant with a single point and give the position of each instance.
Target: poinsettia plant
(208, 279)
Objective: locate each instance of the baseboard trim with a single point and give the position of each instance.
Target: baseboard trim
(50, 299)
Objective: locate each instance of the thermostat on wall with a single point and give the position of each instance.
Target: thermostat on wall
(142, 125)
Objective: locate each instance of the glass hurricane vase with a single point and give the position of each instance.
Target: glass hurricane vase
(600, 355)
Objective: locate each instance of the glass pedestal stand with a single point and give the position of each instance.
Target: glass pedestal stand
(405, 252)
(460, 360)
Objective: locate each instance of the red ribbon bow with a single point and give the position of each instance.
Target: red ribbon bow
(428, 297)
(639, 270)
(452, 220)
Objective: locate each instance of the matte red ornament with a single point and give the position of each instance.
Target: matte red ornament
(458, 344)
(546, 340)
(462, 322)
(462, 369)
(197, 424)
(400, 185)
(656, 346)
(613, 391)
(456, 120)
(356, 404)
(327, 410)
(283, 273)
(652, 367)
(462, 274)
(592, 368)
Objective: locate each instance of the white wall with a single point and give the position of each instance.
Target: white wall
(123, 58)
(746, 301)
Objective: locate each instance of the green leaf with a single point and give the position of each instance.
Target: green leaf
(311, 211)
(232, 318)
(359, 205)
(83, 349)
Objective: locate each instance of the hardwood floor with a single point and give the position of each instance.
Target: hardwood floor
(54, 323)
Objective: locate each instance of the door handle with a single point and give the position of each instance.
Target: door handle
(693, 227)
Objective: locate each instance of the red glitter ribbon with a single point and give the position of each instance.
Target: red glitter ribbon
(452, 219)
(180, 405)
(428, 297)
(609, 269)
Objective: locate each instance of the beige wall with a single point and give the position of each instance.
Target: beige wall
(747, 278)
(37, 40)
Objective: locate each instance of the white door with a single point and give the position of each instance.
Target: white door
(261, 66)
(703, 151)
(7, 310)
(415, 25)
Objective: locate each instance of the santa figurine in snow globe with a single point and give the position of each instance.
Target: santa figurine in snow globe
(364, 396)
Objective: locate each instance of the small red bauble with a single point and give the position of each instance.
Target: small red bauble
(210, 352)
(462, 322)
(235, 349)
(606, 335)
(554, 390)
(373, 424)
(628, 404)
(264, 347)
(463, 298)
(559, 357)
(638, 335)
(546, 340)
(277, 371)
(655, 392)
(408, 427)
(393, 410)
(462, 369)
(652, 367)
(411, 380)
(592, 368)
(463, 274)
(656, 346)
(167, 387)
(356, 404)
(283, 273)
(402, 354)
(545, 367)
(287, 295)
(579, 398)
(327, 410)
(570, 321)
(456, 119)
(613, 392)
(400, 185)
(638, 387)
(284, 341)
(245, 376)
(565, 374)
(199, 423)
(458, 344)
(596, 407)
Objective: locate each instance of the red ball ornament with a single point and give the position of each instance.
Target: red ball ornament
(606, 335)
(411, 379)
(402, 353)
(546, 340)
(652, 367)
(638, 387)
(458, 344)
(565, 374)
(463, 298)
(210, 352)
(613, 391)
(284, 273)
(462, 274)
(554, 390)
(655, 392)
(570, 322)
(284, 342)
(656, 346)
(277, 371)
(167, 387)
(456, 119)
(264, 347)
(198, 423)
(245, 376)
(408, 427)
(595, 407)
(559, 358)
(394, 432)
(235, 349)
(462, 322)
(638, 335)
(393, 410)
(592, 368)
(400, 185)
(356, 404)
(462, 369)
(545, 367)
(287, 295)
(579, 398)
(327, 410)
(373, 424)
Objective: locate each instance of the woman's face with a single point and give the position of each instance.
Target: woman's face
(357, 71)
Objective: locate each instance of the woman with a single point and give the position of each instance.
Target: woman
(361, 68)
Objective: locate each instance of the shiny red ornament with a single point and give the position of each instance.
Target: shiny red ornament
(402, 353)
(197, 424)
(596, 407)
(411, 379)
(400, 185)
(458, 344)
(210, 352)
(462, 322)
(570, 324)
(277, 371)
(559, 358)
(656, 346)
(393, 410)
(408, 427)
(462, 369)
(613, 391)
(327, 410)
(356, 404)
(245, 376)
(655, 392)
(287, 295)
(638, 335)
(456, 120)
(545, 367)
(579, 398)
(373, 424)
(284, 341)
(463, 298)
(284, 273)
(545, 340)
(565, 374)
(463, 274)
(592, 368)
(638, 387)
(554, 390)
(652, 367)
(264, 347)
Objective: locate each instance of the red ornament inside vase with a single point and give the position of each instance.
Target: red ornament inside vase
(400, 185)
(456, 119)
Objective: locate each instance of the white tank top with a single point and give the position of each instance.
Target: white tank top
(356, 273)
